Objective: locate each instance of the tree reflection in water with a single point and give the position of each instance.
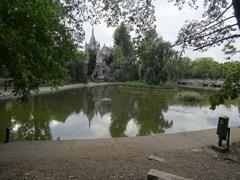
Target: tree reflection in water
(146, 110)
(31, 120)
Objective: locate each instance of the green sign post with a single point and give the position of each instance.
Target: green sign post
(222, 129)
(223, 132)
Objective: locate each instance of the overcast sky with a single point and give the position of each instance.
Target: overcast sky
(169, 20)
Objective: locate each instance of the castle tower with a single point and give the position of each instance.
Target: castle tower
(102, 69)
(92, 45)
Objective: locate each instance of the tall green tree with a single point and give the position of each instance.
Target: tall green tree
(231, 86)
(34, 43)
(178, 67)
(124, 55)
(153, 53)
(77, 68)
(205, 68)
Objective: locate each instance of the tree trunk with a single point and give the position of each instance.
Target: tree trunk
(236, 7)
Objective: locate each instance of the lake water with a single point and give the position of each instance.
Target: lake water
(108, 111)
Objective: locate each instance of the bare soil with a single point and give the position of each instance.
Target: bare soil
(183, 154)
(200, 163)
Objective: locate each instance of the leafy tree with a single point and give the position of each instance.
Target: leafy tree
(205, 68)
(33, 44)
(231, 87)
(228, 68)
(36, 36)
(153, 56)
(171, 68)
(124, 55)
(218, 26)
(214, 28)
(177, 67)
(77, 69)
(122, 39)
(185, 68)
(135, 13)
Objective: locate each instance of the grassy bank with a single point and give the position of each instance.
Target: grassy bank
(142, 85)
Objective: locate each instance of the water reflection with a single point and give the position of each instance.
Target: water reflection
(103, 112)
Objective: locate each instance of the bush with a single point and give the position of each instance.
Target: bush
(190, 96)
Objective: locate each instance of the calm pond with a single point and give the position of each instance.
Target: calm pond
(108, 111)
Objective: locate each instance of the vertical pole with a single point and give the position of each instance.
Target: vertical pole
(7, 137)
(220, 141)
(228, 138)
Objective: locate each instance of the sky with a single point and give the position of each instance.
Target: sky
(169, 20)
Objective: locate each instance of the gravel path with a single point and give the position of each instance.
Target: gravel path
(186, 154)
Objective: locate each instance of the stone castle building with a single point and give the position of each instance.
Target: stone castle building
(102, 68)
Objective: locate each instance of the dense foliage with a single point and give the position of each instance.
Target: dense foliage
(124, 55)
(142, 85)
(200, 68)
(153, 56)
(231, 87)
(178, 67)
(189, 96)
(220, 24)
(77, 69)
(38, 38)
(33, 44)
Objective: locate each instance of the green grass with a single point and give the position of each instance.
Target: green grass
(142, 85)
(189, 96)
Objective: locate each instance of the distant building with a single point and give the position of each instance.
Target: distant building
(102, 68)
(92, 45)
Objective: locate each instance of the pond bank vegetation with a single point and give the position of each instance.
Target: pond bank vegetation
(143, 85)
(190, 96)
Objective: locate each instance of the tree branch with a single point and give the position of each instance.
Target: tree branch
(179, 43)
(220, 40)
(218, 30)
(220, 15)
(215, 24)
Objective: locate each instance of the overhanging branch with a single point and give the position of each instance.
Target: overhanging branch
(214, 24)
(214, 42)
(218, 30)
(219, 15)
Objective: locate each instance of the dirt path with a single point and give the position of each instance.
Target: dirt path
(186, 154)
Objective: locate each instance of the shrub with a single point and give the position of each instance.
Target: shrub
(137, 84)
(190, 96)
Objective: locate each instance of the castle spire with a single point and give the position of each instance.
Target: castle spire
(92, 30)
(92, 42)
